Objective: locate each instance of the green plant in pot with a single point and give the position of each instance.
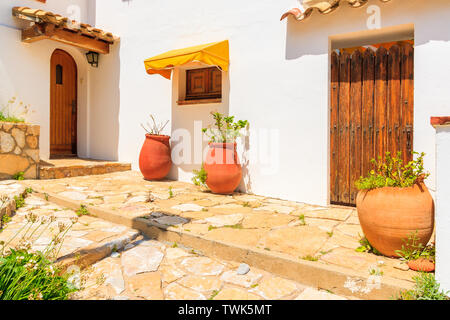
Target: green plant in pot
(393, 202)
(221, 172)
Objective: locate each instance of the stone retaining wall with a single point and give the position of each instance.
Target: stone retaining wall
(19, 150)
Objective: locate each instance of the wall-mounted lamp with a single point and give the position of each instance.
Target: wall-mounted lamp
(92, 58)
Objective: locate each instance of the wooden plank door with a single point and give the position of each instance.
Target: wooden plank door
(63, 105)
(371, 112)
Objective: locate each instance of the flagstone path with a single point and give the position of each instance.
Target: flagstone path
(326, 235)
(151, 270)
(136, 268)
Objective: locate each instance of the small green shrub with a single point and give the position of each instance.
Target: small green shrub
(30, 276)
(310, 258)
(82, 211)
(27, 275)
(20, 201)
(301, 218)
(170, 193)
(367, 247)
(225, 129)
(200, 177)
(19, 176)
(392, 173)
(412, 249)
(425, 288)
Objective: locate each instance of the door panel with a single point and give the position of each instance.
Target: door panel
(371, 112)
(63, 105)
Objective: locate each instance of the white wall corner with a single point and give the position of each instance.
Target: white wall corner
(442, 213)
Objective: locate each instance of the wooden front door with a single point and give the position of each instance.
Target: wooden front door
(63, 105)
(371, 111)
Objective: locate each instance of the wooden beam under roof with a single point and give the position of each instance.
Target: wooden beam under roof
(41, 31)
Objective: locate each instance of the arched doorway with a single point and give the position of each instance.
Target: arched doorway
(63, 105)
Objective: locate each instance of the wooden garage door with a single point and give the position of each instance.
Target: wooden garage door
(63, 105)
(371, 110)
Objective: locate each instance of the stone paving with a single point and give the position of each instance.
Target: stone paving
(325, 235)
(95, 236)
(137, 269)
(151, 270)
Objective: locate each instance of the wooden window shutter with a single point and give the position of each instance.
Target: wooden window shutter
(205, 83)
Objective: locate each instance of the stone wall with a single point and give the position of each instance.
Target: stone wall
(19, 150)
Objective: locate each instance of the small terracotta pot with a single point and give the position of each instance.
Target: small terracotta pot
(154, 160)
(421, 264)
(224, 173)
(389, 215)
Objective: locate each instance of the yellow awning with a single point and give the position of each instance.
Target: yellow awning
(215, 54)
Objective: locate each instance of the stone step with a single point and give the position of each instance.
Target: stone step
(74, 167)
(338, 279)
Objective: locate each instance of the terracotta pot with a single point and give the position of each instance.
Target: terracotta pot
(389, 215)
(154, 160)
(223, 168)
(421, 264)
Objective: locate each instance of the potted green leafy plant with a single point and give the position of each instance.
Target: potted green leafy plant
(393, 202)
(155, 157)
(221, 171)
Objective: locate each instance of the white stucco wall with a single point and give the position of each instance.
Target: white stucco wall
(443, 206)
(278, 78)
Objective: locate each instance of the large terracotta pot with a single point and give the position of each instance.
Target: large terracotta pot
(154, 160)
(389, 215)
(223, 168)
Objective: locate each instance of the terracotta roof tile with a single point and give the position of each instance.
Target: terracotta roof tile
(42, 16)
(323, 7)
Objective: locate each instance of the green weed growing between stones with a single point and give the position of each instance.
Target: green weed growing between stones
(425, 288)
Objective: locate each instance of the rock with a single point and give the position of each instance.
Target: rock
(201, 283)
(223, 220)
(175, 253)
(247, 280)
(171, 220)
(401, 266)
(137, 199)
(296, 241)
(31, 172)
(241, 237)
(235, 294)
(146, 285)
(187, 207)
(176, 292)
(33, 130)
(171, 273)
(19, 136)
(243, 269)
(141, 259)
(202, 266)
(17, 151)
(11, 164)
(32, 142)
(74, 195)
(33, 154)
(312, 294)
(277, 208)
(115, 255)
(7, 143)
(275, 288)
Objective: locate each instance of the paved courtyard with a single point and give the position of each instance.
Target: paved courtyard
(127, 266)
(324, 235)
